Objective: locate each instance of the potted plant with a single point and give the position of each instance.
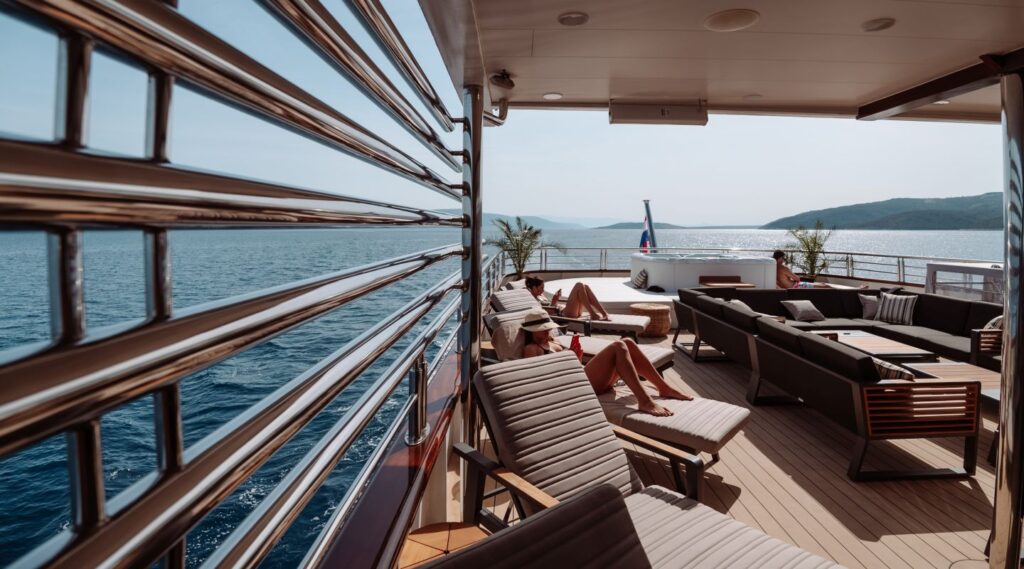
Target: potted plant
(808, 252)
(519, 242)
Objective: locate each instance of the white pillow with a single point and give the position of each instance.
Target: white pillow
(995, 324)
(803, 310)
(869, 305)
(508, 340)
(741, 304)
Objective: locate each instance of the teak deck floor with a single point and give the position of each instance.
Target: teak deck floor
(785, 473)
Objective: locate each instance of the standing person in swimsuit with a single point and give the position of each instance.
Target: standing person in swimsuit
(622, 359)
(580, 298)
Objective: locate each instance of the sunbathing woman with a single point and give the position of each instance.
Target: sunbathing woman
(580, 298)
(622, 359)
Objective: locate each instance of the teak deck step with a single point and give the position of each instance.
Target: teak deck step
(430, 542)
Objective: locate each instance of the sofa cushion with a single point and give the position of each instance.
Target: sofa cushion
(865, 323)
(845, 323)
(829, 302)
(896, 309)
(766, 301)
(887, 370)
(841, 359)
(868, 306)
(941, 313)
(689, 297)
(803, 310)
(639, 280)
(710, 306)
(979, 314)
(779, 334)
(740, 317)
(717, 292)
(947, 345)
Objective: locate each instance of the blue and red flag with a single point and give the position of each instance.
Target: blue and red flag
(645, 237)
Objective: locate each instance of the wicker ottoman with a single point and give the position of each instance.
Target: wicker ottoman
(659, 315)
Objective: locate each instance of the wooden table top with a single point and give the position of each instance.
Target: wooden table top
(946, 369)
(879, 346)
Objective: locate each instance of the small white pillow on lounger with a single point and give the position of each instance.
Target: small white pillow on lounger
(508, 340)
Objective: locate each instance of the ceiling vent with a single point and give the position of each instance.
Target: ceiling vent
(647, 113)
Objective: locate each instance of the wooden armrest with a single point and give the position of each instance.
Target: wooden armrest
(986, 341)
(921, 409)
(513, 482)
(694, 464)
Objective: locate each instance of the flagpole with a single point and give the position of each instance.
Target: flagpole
(650, 226)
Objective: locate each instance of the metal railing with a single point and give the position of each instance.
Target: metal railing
(902, 269)
(83, 374)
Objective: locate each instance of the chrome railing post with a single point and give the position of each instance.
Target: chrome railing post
(418, 426)
(901, 270)
(1005, 541)
(472, 212)
(849, 265)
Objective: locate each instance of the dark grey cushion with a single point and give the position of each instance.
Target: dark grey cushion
(979, 314)
(591, 529)
(717, 292)
(740, 317)
(947, 345)
(689, 297)
(841, 359)
(941, 313)
(779, 334)
(846, 323)
(766, 301)
(803, 310)
(710, 306)
(828, 301)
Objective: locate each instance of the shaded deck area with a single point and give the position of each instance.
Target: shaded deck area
(785, 473)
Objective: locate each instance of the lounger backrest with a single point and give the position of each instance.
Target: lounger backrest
(592, 529)
(518, 299)
(507, 335)
(549, 428)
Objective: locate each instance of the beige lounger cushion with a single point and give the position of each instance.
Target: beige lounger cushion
(522, 299)
(549, 427)
(677, 532)
(659, 356)
(701, 424)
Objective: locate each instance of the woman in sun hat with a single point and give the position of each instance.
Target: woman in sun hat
(622, 359)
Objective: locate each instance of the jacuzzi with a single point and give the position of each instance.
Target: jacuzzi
(673, 271)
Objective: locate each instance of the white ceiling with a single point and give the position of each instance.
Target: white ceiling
(803, 56)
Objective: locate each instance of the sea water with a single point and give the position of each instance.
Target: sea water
(208, 266)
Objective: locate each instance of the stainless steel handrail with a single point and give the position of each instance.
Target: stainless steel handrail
(72, 384)
(751, 250)
(390, 40)
(44, 184)
(312, 20)
(223, 460)
(253, 539)
(160, 37)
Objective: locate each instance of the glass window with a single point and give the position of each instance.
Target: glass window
(118, 96)
(28, 75)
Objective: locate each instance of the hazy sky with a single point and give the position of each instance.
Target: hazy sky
(736, 170)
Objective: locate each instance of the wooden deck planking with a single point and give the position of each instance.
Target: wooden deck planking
(788, 472)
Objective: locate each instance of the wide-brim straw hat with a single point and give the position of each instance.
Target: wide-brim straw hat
(537, 320)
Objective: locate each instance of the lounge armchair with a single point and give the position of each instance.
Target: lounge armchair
(596, 528)
(698, 425)
(522, 299)
(554, 443)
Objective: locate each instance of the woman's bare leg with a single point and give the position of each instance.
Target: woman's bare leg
(595, 305)
(577, 302)
(646, 370)
(614, 362)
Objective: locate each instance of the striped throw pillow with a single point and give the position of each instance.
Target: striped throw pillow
(896, 308)
(640, 279)
(887, 370)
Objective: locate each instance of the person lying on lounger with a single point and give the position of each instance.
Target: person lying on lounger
(622, 359)
(580, 298)
(786, 278)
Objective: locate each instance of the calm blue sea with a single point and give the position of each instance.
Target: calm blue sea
(213, 265)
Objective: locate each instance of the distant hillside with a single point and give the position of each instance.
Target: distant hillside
(969, 212)
(538, 222)
(639, 225)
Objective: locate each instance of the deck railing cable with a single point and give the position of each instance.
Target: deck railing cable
(83, 374)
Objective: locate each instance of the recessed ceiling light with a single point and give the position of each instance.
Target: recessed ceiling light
(573, 18)
(753, 97)
(878, 24)
(552, 96)
(942, 102)
(731, 20)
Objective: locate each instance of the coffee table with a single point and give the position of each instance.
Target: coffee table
(883, 348)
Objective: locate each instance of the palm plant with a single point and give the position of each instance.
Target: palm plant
(519, 242)
(808, 253)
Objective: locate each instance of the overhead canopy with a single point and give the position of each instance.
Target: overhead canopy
(800, 57)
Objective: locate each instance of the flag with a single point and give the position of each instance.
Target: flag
(645, 237)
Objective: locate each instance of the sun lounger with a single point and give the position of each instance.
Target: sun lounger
(521, 299)
(554, 444)
(598, 528)
(504, 328)
(698, 425)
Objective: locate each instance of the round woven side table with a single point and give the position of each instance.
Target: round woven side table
(659, 315)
